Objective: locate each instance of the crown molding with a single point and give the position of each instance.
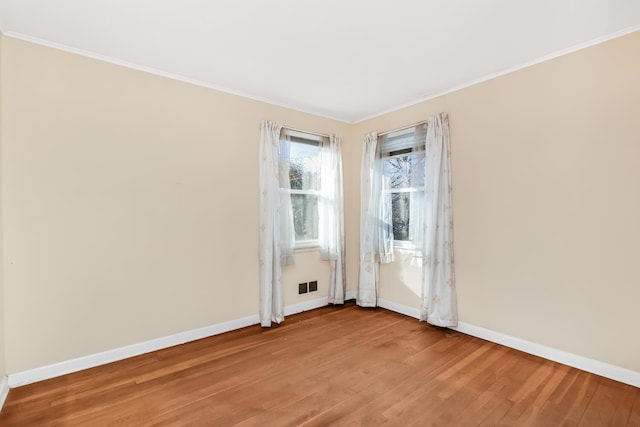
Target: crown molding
(506, 71)
(166, 74)
(223, 89)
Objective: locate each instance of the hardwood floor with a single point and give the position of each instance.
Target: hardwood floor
(330, 366)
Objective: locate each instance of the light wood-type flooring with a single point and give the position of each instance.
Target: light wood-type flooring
(330, 366)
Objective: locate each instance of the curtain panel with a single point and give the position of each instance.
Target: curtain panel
(382, 207)
(276, 223)
(277, 234)
(367, 295)
(331, 216)
(287, 236)
(430, 219)
(439, 303)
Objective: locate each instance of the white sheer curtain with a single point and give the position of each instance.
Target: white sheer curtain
(416, 204)
(287, 233)
(439, 304)
(276, 224)
(383, 231)
(331, 216)
(367, 295)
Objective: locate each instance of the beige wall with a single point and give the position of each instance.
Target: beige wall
(351, 162)
(546, 173)
(131, 205)
(3, 369)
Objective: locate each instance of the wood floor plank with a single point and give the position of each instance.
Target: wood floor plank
(634, 416)
(610, 405)
(330, 366)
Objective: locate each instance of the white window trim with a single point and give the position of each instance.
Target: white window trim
(314, 140)
(307, 245)
(303, 135)
(404, 245)
(311, 192)
(404, 190)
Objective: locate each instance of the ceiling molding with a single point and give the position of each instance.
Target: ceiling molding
(157, 72)
(509, 70)
(222, 89)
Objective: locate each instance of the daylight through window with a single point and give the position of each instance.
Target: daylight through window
(404, 170)
(304, 181)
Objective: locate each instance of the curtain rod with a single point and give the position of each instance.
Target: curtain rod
(324, 135)
(403, 128)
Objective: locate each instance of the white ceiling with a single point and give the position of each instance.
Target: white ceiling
(346, 59)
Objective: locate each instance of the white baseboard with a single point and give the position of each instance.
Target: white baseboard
(306, 305)
(90, 361)
(597, 367)
(603, 369)
(399, 308)
(97, 359)
(350, 295)
(50, 371)
(4, 390)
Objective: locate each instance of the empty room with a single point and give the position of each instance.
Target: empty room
(283, 213)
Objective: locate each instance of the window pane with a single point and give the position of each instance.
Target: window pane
(305, 216)
(304, 166)
(400, 207)
(405, 171)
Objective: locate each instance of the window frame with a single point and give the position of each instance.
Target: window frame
(402, 245)
(309, 243)
(301, 137)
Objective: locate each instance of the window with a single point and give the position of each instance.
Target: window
(403, 168)
(304, 181)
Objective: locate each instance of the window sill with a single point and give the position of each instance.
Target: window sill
(307, 246)
(309, 249)
(404, 247)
